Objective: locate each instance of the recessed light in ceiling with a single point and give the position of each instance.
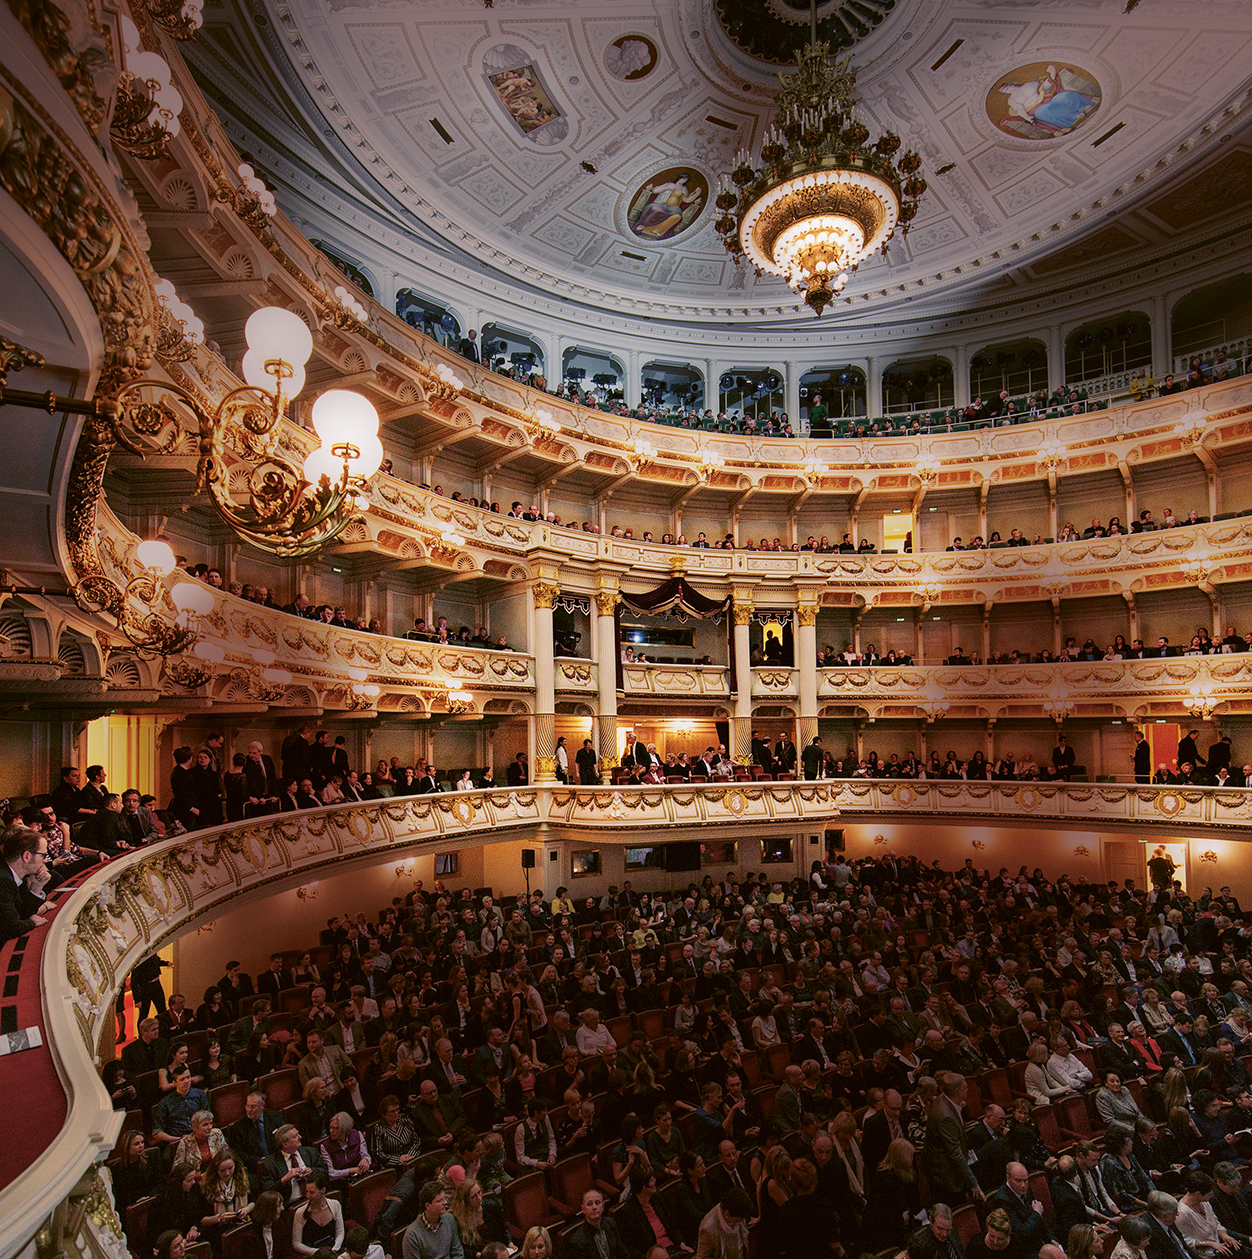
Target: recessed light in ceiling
(695, 34)
(260, 19)
(1223, 139)
(574, 80)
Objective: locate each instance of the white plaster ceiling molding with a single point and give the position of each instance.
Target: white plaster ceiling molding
(527, 132)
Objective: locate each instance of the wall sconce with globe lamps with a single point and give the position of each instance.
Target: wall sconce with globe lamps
(289, 511)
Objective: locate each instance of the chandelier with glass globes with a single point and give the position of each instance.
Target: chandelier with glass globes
(824, 198)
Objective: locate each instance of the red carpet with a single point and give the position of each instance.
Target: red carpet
(35, 1103)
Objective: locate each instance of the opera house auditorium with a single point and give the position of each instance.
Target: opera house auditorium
(626, 629)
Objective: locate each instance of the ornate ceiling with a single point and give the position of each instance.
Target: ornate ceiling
(574, 148)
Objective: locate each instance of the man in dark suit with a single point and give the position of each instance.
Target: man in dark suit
(1118, 1054)
(1189, 751)
(1067, 1201)
(936, 1240)
(291, 1166)
(816, 1044)
(296, 758)
(427, 785)
(1143, 759)
(1030, 1229)
(945, 1152)
(1177, 1040)
(785, 754)
(597, 1236)
(22, 881)
(260, 782)
(811, 758)
(1166, 1242)
(270, 983)
(881, 1128)
(1230, 1203)
(252, 1137)
(235, 986)
(989, 1140)
(439, 1117)
(256, 1020)
(557, 1038)
(726, 1174)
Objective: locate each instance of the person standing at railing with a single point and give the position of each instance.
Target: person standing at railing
(588, 763)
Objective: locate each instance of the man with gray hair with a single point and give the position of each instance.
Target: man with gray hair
(945, 1152)
(1229, 1204)
(1166, 1241)
(937, 1239)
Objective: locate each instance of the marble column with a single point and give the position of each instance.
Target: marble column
(741, 753)
(633, 384)
(543, 762)
(806, 663)
(960, 375)
(607, 649)
(1056, 357)
(873, 387)
(793, 394)
(1162, 339)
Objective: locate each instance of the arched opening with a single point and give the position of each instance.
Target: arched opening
(918, 384)
(1020, 366)
(1103, 347)
(428, 316)
(511, 353)
(754, 391)
(1212, 320)
(593, 371)
(672, 385)
(841, 390)
(346, 267)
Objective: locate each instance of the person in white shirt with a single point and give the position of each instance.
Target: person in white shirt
(1198, 1222)
(1064, 1068)
(592, 1035)
(562, 761)
(465, 782)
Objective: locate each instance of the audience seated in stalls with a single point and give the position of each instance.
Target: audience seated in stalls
(871, 1016)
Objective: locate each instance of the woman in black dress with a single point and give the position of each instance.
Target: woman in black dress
(236, 786)
(185, 805)
(208, 788)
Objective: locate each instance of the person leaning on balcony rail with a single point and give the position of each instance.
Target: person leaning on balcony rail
(25, 876)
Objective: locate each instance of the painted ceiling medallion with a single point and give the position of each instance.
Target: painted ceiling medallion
(668, 204)
(1043, 100)
(630, 58)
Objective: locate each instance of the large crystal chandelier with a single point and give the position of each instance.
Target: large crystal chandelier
(824, 198)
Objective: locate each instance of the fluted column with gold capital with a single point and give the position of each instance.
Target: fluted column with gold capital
(607, 648)
(742, 751)
(544, 595)
(806, 663)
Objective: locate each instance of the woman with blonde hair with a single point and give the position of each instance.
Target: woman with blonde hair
(1174, 1091)
(893, 1199)
(467, 1209)
(1081, 1242)
(772, 1193)
(537, 1244)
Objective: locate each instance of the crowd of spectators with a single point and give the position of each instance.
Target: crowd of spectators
(1200, 644)
(812, 1062)
(313, 771)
